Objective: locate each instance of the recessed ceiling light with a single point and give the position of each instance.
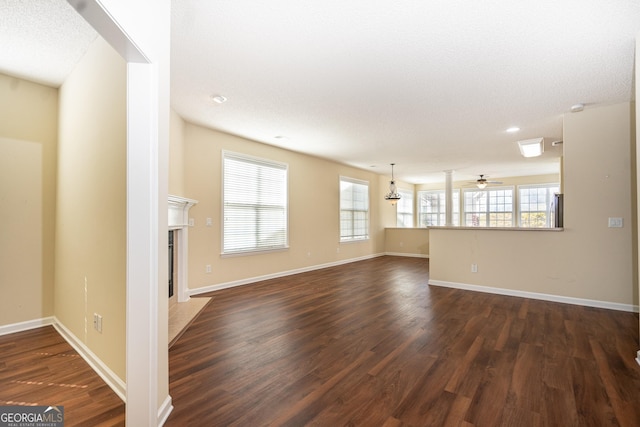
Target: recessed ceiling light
(577, 108)
(513, 129)
(218, 99)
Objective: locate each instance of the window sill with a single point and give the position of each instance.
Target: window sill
(443, 227)
(253, 252)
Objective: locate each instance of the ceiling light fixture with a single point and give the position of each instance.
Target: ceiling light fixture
(531, 147)
(392, 196)
(218, 99)
(577, 108)
(513, 129)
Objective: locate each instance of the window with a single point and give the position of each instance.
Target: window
(535, 204)
(254, 204)
(405, 209)
(354, 209)
(489, 208)
(432, 208)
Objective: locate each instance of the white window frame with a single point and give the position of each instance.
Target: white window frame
(279, 205)
(441, 208)
(487, 212)
(548, 201)
(404, 209)
(352, 236)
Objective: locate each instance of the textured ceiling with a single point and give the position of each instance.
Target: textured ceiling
(429, 85)
(41, 40)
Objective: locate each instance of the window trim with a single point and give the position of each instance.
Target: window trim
(514, 206)
(403, 192)
(368, 211)
(443, 191)
(528, 186)
(257, 160)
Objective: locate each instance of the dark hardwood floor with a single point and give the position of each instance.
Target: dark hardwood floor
(38, 367)
(371, 344)
(364, 344)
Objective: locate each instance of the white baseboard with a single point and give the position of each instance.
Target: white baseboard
(226, 285)
(406, 254)
(539, 296)
(114, 381)
(164, 411)
(638, 357)
(25, 326)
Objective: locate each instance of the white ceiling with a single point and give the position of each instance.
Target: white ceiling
(429, 85)
(41, 40)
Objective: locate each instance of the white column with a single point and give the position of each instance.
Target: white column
(448, 197)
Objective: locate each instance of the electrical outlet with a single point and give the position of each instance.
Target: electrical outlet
(207, 269)
(474, 268)
(615, 222)
(97, 322)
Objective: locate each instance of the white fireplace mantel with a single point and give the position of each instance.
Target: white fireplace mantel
(179, 211)
(179, 220)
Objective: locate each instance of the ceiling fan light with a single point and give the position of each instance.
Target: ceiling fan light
(482, 185)
(531, 147)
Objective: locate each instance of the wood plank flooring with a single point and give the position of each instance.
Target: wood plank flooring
(364, 344)
(38, 367)
(371, 344)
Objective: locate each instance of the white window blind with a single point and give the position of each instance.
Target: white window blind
(255, 204)
(354, 209)
(405, 209)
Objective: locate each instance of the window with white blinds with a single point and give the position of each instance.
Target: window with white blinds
(354, 209)
(405, 209)
(254, 204)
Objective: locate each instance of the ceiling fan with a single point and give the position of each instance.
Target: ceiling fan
(482, 182)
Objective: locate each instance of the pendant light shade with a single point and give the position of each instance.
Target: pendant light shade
(392, 196)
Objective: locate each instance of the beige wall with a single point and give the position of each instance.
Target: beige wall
(587, 260)
(407, 241)
(176, 155)
(388, 212)
(637, 176)
(313, 211)
(91, 214)
(28, 143)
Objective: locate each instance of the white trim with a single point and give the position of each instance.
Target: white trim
(26, 325)
(164, 411)
(250, 280)
(182, 235)
(109, 377)
(178, 216)
(535, 295)
(407, 255)
(638, 357)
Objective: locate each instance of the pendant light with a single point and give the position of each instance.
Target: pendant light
(393, 195)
